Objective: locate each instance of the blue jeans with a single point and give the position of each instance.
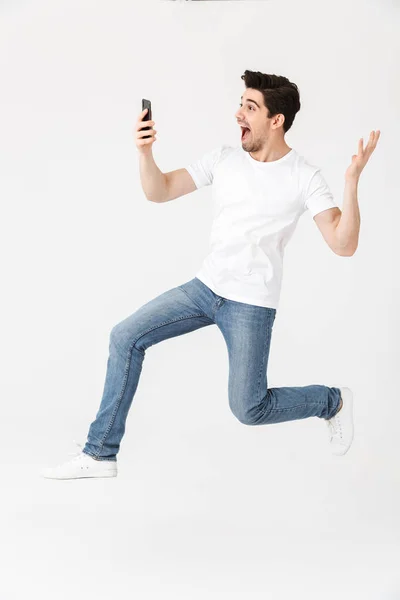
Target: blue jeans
(247, 332)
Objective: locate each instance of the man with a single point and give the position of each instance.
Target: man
(260, 190)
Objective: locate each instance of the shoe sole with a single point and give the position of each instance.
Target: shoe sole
(97, 475)
(348, 396)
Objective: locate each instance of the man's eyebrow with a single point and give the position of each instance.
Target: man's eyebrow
(249, 100)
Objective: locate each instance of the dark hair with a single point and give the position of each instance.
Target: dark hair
(281, 96)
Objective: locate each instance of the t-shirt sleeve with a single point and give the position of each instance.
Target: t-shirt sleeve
(318, 196)
(202, 170)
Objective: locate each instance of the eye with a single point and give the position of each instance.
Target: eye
(250, 106)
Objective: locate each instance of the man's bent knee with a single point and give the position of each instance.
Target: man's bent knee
(246, 417)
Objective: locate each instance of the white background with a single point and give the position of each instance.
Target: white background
(203, 506)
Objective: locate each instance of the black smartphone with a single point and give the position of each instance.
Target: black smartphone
(147, 116)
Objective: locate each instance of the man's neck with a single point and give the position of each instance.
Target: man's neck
(271, 154)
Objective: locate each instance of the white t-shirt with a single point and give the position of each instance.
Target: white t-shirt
(256, 207)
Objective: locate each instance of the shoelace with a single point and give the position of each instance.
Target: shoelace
(78, 451)
(335, 428)
(76, 455)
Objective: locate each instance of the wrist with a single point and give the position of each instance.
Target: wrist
(352, 179)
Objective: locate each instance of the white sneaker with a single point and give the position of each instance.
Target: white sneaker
(82, 465)
(341, 427)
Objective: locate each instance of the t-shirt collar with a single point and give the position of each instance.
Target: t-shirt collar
(271, 163)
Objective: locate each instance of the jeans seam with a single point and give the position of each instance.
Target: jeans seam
(126, 373)
(165, 323)
(190, 298)
(266, 348)
(260, 373)
(96, 457)
(119, 399)
(289, 408)
(281, 410)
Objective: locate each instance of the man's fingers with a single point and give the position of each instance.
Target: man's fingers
(376, 133)
(141, 124)
(144, 132)
(141, 115)
(373, 140)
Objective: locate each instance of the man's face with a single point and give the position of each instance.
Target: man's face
(252, 114)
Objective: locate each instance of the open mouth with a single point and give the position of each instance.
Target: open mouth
(245, 132)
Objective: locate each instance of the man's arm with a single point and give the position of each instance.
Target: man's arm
(158, 186)
(348, 227)
(153, 181)
(341, 228)
(163, 187)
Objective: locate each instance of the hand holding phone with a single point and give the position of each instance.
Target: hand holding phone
(147, 117)
(145, 142)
